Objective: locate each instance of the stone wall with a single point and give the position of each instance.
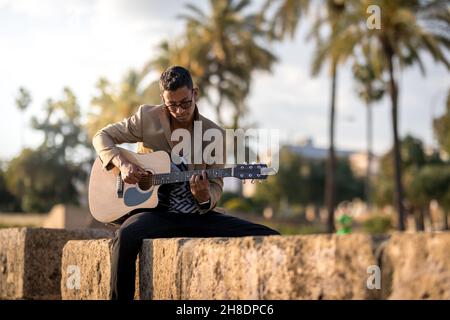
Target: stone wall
(416, 266)
(291, 267)
(30, 260)
(44, 264)
(85, 270)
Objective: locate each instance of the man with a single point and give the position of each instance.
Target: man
(188, 211)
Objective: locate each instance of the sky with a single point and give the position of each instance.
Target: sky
(46, 45)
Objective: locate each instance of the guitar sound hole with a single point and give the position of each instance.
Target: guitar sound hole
(145, 183)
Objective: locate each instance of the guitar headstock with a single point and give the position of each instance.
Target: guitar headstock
(256, 171)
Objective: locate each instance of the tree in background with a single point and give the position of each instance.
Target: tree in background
(441, 127)
(40, 181)
(222, 50)
(426, 178)
(342, 37)
(113, 103)
(430, 182)
(283, 17)
(370, 88)
(53, 172)
(8, 202)
(23, 100)
(62, 127)
(413, 157)
(301, 181)
(408, 28)
(335, 48)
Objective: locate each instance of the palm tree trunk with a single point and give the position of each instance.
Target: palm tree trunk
(236, 117)
(220, 100)
(330, 187)
(219, 109)
(369, 156)
(397, 155)
(235, 125)
(420, 219)
(444, 219)
(22, 132)
(427, 216)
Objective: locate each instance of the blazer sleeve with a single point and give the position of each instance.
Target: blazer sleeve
(128, 130)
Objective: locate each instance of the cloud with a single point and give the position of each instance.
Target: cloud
(48, 44)
(43, 8)
(51, 44)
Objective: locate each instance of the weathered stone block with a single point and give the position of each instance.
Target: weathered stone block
(30, 260)
(274, 267)
(413, 266)
(86, 270)
(416, 266)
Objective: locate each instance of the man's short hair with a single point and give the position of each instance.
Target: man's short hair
(174, 78)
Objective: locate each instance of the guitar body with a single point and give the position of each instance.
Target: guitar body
(107, 204)
(110, 198)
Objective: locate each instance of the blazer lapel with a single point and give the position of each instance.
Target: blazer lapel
(165, 123)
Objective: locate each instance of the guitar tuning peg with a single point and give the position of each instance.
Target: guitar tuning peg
(253, 181)
(243, 181)
(260, 181)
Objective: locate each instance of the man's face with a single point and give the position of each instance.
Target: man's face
(180, 103)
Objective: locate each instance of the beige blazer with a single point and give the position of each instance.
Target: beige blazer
(151, 126)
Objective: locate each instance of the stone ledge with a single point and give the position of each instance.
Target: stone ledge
(416, 266)
(274, 267)
(30, 260)
(413, 266)
(86, 270)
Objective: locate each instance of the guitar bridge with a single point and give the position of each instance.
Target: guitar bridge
(119, 186)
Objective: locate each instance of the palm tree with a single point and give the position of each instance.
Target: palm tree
(339, 45)
(23, 100)
(370, 88)
(222, 51)
(284, 19)
(115, 102)
(407, 29)
(441, 128)
(178, 52)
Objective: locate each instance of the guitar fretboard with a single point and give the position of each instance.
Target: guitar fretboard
(174, 177)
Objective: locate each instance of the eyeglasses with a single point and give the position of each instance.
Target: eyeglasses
(183, 105)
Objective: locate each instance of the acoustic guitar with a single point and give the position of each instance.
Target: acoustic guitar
(110, 198)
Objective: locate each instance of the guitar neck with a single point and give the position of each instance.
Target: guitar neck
(182, 176)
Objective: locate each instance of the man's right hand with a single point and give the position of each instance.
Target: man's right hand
(130, 172)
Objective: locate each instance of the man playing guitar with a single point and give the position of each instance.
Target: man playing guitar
(189, 209)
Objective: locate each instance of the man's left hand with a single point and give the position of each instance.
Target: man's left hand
(200, 187)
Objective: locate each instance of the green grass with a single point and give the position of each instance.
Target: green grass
(377, 225)
(292, 229)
